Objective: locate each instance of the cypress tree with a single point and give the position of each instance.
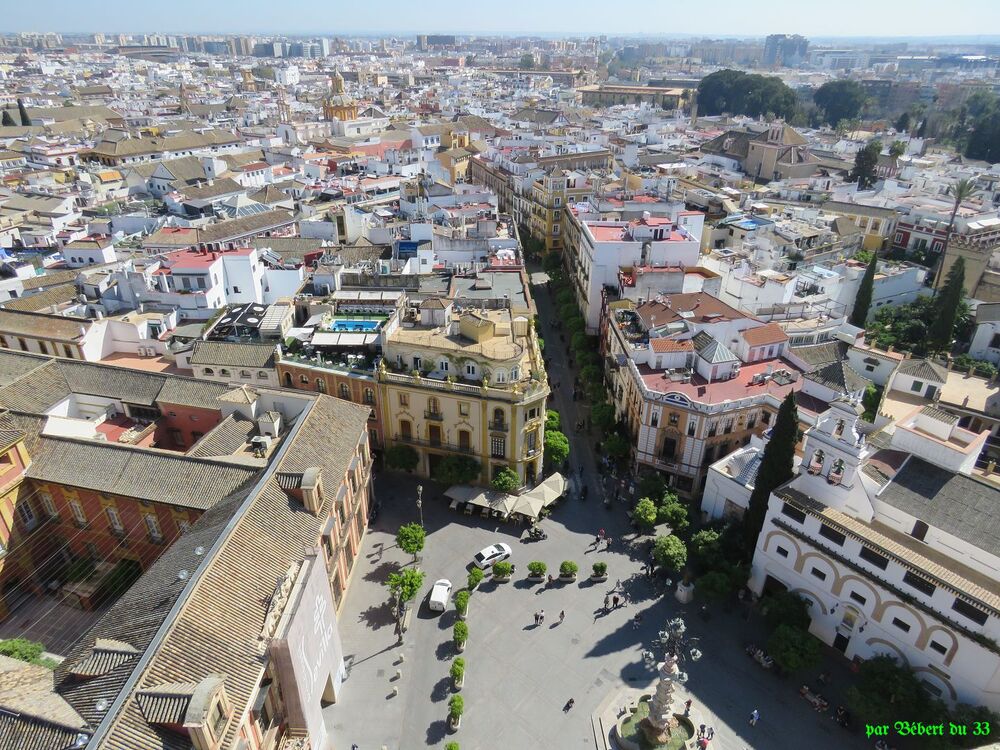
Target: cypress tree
(8, 121)
(946, 307)
(863, 300)
(25, 120)
(776, 467)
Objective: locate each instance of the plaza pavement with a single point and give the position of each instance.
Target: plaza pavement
(519, 676)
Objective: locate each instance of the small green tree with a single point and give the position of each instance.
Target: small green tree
(25, 120)
(506, 480)
(462, 601)
(602, 415)
(460, 633)
(600, 569)
(455, 707)
(870, 401)
(457, 470)
(903, 123)
(552, 420)
(669, 552)
(410, 539)
(897, 149)
(865, 162)
(705, 548)
(715, 585)
(863, 299)
(552, 262)
(402, 457)
(568, 568)
(617, 446)
(452, 746)
(21, 649)
(537, 568)
(673, 513)
(651, 485)
(883, 690)
(592, 374)
(502, 569)
(406, 583)
(794, 649)
(946, 307)
(556, 447)
(475, 578)
(775, 469)
(457, 669)
(645, 513)
(785, 608)
(527, 61)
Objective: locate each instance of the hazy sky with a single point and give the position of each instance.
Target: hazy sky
(721, 17)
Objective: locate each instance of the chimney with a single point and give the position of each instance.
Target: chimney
(312, 489)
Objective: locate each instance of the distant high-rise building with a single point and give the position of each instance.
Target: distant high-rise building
(788, 50)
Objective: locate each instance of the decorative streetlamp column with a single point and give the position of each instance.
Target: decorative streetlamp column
(659, 725)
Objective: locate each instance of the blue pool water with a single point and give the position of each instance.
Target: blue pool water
(342, 326)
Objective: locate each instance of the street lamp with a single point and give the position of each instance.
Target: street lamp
(420, 503)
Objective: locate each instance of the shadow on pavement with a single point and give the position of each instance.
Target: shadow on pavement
(380, 573)
(442, 689)
(436, 732)
(378, 616)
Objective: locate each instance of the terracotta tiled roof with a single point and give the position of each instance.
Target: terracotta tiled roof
(664, 346)
(767, 334)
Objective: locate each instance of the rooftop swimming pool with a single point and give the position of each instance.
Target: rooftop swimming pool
(342, 326)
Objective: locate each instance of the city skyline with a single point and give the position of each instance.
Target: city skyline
(922, 19)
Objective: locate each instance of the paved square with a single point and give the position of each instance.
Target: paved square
(519, 676)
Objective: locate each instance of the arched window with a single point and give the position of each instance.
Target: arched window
(208, 371)
(500, 376)
(320, 385)
(499, 419)
(245, 374)
(515, 373)
(433, 405)
(304, 379)
(816, 464)
(836, 472)
(288, 380)
(345, 392)
(369, 396)
(839, 429)
(224, 373)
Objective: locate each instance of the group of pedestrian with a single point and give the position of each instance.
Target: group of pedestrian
(612, 601)
(705, 732)
(539, 617)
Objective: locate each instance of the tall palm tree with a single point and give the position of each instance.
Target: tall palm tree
(961, 190)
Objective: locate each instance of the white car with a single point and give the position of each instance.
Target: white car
(440, 594)
(492, 554)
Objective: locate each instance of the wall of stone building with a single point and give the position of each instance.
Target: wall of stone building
(182, 426)
(332, 383)
(977, 257)
(988, 289)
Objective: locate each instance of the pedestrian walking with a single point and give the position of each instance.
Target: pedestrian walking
(711, 733)
(619, 584)
(569, 704)
(607, 603)
(687, 707)
(637, 620)
(600, 534)
(754, 717)
(536, 618)
(701, 731)
(597, 541)
(607, 543)
(616, 599)
(562, 616)
(541, 617)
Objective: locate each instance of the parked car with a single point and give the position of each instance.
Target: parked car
(440, 594)
(492, 554)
